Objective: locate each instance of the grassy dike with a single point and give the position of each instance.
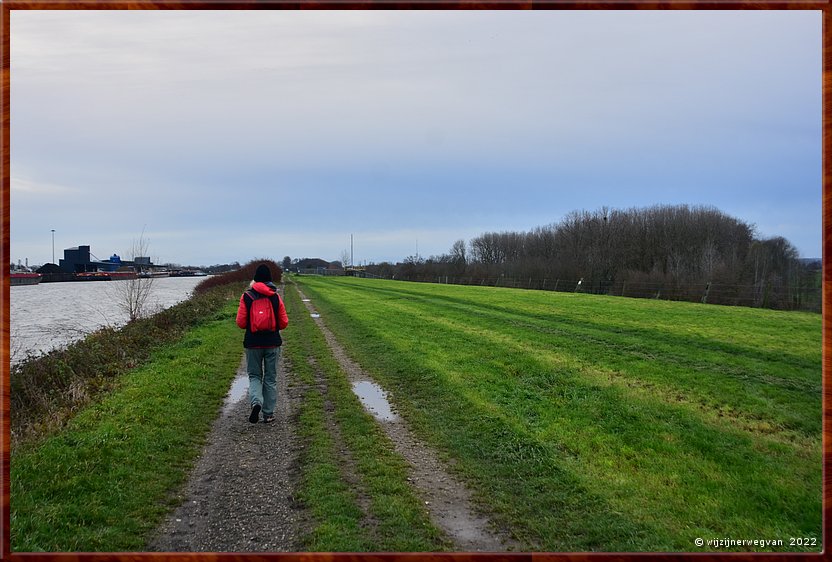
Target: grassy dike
(104, 481)
(395, 520)
(598, 423)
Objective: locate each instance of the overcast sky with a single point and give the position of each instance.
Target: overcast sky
(228, 136)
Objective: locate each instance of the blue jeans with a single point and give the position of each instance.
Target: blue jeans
(261, 365)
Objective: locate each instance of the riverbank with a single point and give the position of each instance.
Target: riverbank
(103, 432)
(46, 391)
(104, 481)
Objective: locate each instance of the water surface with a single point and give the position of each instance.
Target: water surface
(47, 316)
(239, 389)
(374, 400)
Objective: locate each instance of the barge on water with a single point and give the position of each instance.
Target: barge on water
(24, 278)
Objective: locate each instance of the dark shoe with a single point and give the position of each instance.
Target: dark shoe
(255, 413)
(268, 419)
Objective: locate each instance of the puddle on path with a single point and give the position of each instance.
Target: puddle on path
(315, 315)
(374, 400)
(239, 389)
(305, 300)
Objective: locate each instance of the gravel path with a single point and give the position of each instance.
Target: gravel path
(240, 494)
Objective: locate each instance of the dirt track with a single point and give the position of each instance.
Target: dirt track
(240, 497)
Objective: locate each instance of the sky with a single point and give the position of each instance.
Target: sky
(222, 136)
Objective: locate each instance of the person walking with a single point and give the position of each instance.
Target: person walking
(262, 315)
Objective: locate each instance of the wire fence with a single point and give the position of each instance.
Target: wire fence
(760, 295)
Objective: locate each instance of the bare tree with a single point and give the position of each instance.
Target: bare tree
(458, 253)
(131, 294)
(345, 258)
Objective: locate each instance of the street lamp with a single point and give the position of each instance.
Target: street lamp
(53, 245)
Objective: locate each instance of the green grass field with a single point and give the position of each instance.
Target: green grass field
(602, 423)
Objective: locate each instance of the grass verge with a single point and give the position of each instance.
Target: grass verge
(594, 423)
(396, 521)
(104, 481)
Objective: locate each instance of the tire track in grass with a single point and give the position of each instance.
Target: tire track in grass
(694, 387)
(391, 518)
(400, 315)
(623, 337)
(446, 497)
(331, 513)
(346, 462)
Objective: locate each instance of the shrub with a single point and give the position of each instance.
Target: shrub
(242, 275)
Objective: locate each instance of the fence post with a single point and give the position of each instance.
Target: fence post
(707, 290)
(544, 284)
(556, 285)
(623, 288)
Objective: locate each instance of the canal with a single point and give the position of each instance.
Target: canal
(47, 316)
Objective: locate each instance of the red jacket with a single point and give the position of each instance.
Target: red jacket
(262, 339)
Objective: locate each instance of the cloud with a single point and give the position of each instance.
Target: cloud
(30, 187)
(401, 120)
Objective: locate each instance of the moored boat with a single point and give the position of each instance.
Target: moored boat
(154, 274)
(187, 273)
(92, 276)
(24, 278)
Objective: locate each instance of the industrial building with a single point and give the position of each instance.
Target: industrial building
(79, 260)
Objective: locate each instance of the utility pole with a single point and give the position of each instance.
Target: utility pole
(351, 262)
(53, 245)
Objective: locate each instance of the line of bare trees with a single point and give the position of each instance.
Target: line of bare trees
(668, 247)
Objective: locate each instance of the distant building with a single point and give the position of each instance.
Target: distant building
(77, 260)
